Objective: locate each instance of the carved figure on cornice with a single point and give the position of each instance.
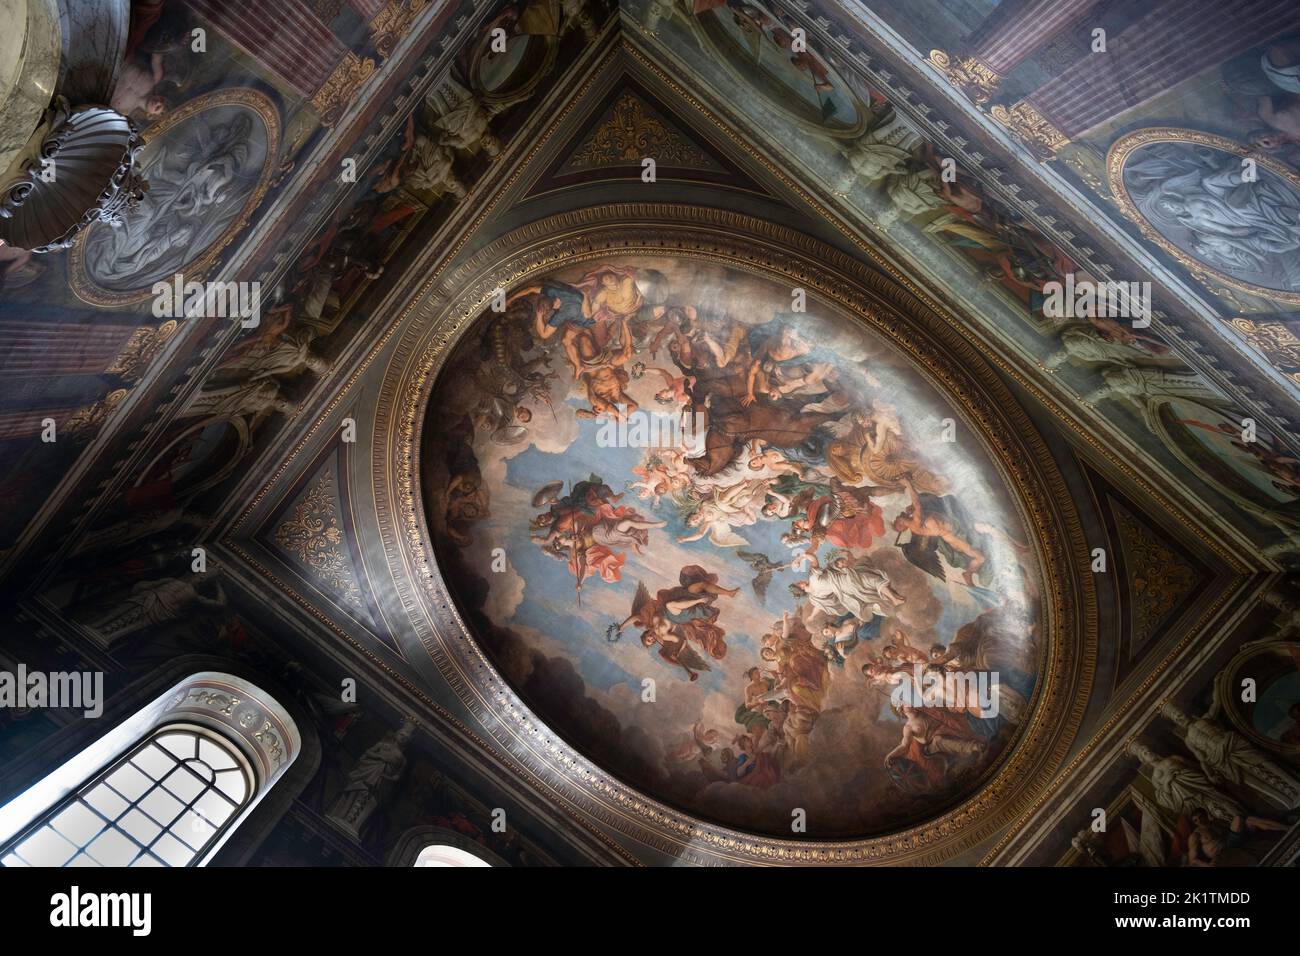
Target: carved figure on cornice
(1181, 788)
(882, 151)
(1085, 842)
(252, 400)
(273, 352)
(1287, 622)
(1141, 385)
(1227, 755)
(138, 526)
(463, 118)
(1086, 344)
(657, 10)
(150, 603)
(372, 781)
(577, 14)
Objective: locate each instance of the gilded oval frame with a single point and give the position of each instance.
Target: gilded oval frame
(934, 343)
(1124, 147)
(253, 100)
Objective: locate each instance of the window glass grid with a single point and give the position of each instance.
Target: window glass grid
(162, 804)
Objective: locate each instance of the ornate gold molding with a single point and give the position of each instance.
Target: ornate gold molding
(83, 425)
(969, 75)
(393, 22)
(1275, 342)
(341, 88)
(949, 362)
(629, 134)
(141, 349)
(1031, 127)
(313, 534)
(1159, 579)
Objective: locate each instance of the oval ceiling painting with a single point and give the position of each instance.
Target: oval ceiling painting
(732, 547)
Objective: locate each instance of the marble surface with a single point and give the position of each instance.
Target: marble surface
(94, 45)
(29, 68)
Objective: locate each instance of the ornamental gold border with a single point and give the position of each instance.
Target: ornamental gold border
(1118, 155)
(937, 350)
(260, 104)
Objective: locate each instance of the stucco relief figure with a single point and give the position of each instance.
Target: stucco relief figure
(1198, 199)
(371, 782)
(199, 174)
(150, 603)
(272, 353)
(1181, 788)
(463, 118)
(252, 400)
(1227, 755)
(884, 150)
(1140, 385)
(1105, 342)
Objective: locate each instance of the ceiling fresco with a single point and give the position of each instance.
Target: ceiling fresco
(747, 516)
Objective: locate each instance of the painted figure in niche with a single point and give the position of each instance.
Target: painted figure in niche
(1268, 451)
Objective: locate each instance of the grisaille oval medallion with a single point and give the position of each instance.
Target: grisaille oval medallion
(733, 547)
(1216, 205)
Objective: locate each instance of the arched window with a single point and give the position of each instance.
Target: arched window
(164, 788)
(441, 854)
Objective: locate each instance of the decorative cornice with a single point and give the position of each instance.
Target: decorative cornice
(340, 89)
(969, 75)
(1033, 129)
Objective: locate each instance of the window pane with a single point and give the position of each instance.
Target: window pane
(129, 782)
(214, 756)
(233, 784)
(214, 807)
(106, 801)
(181, 745)
(140, 827)
(154, 761)
(171, 851)
(78, 823)
(183, 784)
(193, 829)
(46, 848)
(161, 805)
(113, 848)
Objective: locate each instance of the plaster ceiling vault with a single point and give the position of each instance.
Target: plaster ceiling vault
(353, 464)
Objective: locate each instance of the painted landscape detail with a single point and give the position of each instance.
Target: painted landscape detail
(705, 536)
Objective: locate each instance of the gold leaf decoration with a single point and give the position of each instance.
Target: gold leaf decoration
(629, 134)
(312, 534)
